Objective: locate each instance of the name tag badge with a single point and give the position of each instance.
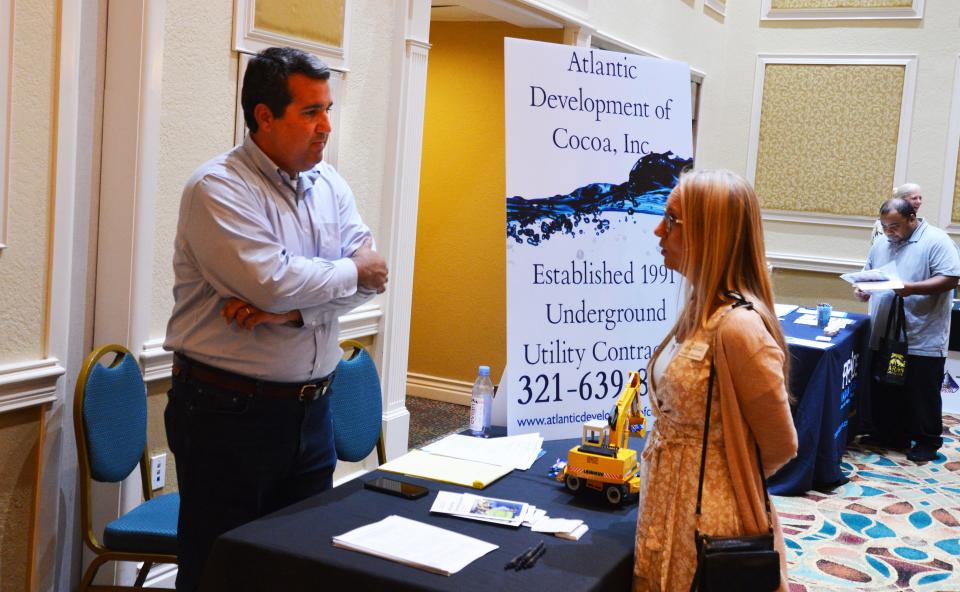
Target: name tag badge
(695, 351)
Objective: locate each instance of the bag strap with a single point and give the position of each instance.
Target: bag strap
(901, 319)
(706, 431)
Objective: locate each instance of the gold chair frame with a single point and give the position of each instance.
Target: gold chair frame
(104, 554)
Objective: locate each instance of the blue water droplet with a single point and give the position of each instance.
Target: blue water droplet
(951, 546)
(931, 578)
(828, 529)
(855, 521)
(879, 531)
(910, 553)
(879, 566)
(920, 519)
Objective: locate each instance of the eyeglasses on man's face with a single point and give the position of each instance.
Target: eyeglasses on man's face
(669, 220)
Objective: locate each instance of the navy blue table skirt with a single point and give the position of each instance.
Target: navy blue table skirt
(831, 387)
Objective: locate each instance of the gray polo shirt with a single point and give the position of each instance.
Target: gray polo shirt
(927, 253)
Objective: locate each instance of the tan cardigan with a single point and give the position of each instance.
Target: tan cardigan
(755, 408)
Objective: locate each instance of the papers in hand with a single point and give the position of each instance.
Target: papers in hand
(486, 509)
(518, 452)
(416, 544)
(872, 280)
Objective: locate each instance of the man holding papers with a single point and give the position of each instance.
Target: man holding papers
(927, 263)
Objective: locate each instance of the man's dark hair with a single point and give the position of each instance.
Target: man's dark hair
(900, 205)
(266, 80)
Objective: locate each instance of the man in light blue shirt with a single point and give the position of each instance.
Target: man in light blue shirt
(269, 251)
(927, 262)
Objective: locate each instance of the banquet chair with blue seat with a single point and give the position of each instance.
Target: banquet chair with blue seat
(110, 423)
(356, 405)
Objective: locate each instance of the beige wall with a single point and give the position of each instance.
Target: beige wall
(19, 453)
(24, 263)
(25, 269)
(196, 121)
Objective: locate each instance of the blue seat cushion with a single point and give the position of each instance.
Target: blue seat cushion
(151, 527)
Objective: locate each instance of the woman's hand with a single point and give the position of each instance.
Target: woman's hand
(248, 316)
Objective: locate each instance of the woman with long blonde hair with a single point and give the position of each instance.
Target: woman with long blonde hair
(711, 234)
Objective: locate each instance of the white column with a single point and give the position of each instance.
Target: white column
(131, 123)
(400, 215)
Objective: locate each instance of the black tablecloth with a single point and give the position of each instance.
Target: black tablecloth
(291, 549)
(829, 385)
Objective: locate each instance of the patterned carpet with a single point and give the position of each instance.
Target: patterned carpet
(894, 526)
(430, 420)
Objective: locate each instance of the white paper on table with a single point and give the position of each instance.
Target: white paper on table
(806, 320)
(476, 507)
(782, 310)
(535, 517)
(833, 313)
(416, 544)
(554, 525)
(809, 343)
(418, 463)
(573, 535)
(518, 452)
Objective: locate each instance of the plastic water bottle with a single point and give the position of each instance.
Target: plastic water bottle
(481, 403)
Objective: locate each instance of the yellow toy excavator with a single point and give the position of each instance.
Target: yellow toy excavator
(602, 462)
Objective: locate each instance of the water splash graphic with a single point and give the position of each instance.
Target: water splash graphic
(644, 192)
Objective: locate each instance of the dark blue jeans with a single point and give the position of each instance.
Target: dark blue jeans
(238, 458)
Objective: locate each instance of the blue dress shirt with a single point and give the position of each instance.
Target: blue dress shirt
(248, 230)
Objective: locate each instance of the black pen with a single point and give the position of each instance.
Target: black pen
(533, 559)
(520, 559)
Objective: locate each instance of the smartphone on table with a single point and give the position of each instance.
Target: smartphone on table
(396, 487)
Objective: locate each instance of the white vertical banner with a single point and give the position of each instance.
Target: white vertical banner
(595, 141)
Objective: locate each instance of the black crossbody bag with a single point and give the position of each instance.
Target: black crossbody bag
(748, 562)
(891, 364)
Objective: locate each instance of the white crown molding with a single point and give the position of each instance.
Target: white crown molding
(26, 384)
(438, 388)
(908, 61)
(820, 219)
(717, 6)
(832, 265)
(604, 40)
(767, 13)
(362, 321)
(950, 165)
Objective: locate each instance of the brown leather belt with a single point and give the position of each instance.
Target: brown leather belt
(310, 391)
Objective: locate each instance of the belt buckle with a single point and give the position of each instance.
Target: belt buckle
(303, 396)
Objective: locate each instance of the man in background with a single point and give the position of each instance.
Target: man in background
(908, 191)
(269, 250)
(927, 262)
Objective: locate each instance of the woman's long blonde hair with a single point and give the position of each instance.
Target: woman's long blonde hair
(723, 251)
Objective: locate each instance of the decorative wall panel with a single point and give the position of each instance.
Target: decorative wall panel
(820, 4)
(320, 21)
(819, 150)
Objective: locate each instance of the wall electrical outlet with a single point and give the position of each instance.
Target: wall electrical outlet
(158, 471)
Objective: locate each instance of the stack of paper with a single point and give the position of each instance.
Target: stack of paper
(486, 509)
(418, 463)
(783, 310)
(518, 452)
(416, 544)
(565, 528)
(882, 278)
